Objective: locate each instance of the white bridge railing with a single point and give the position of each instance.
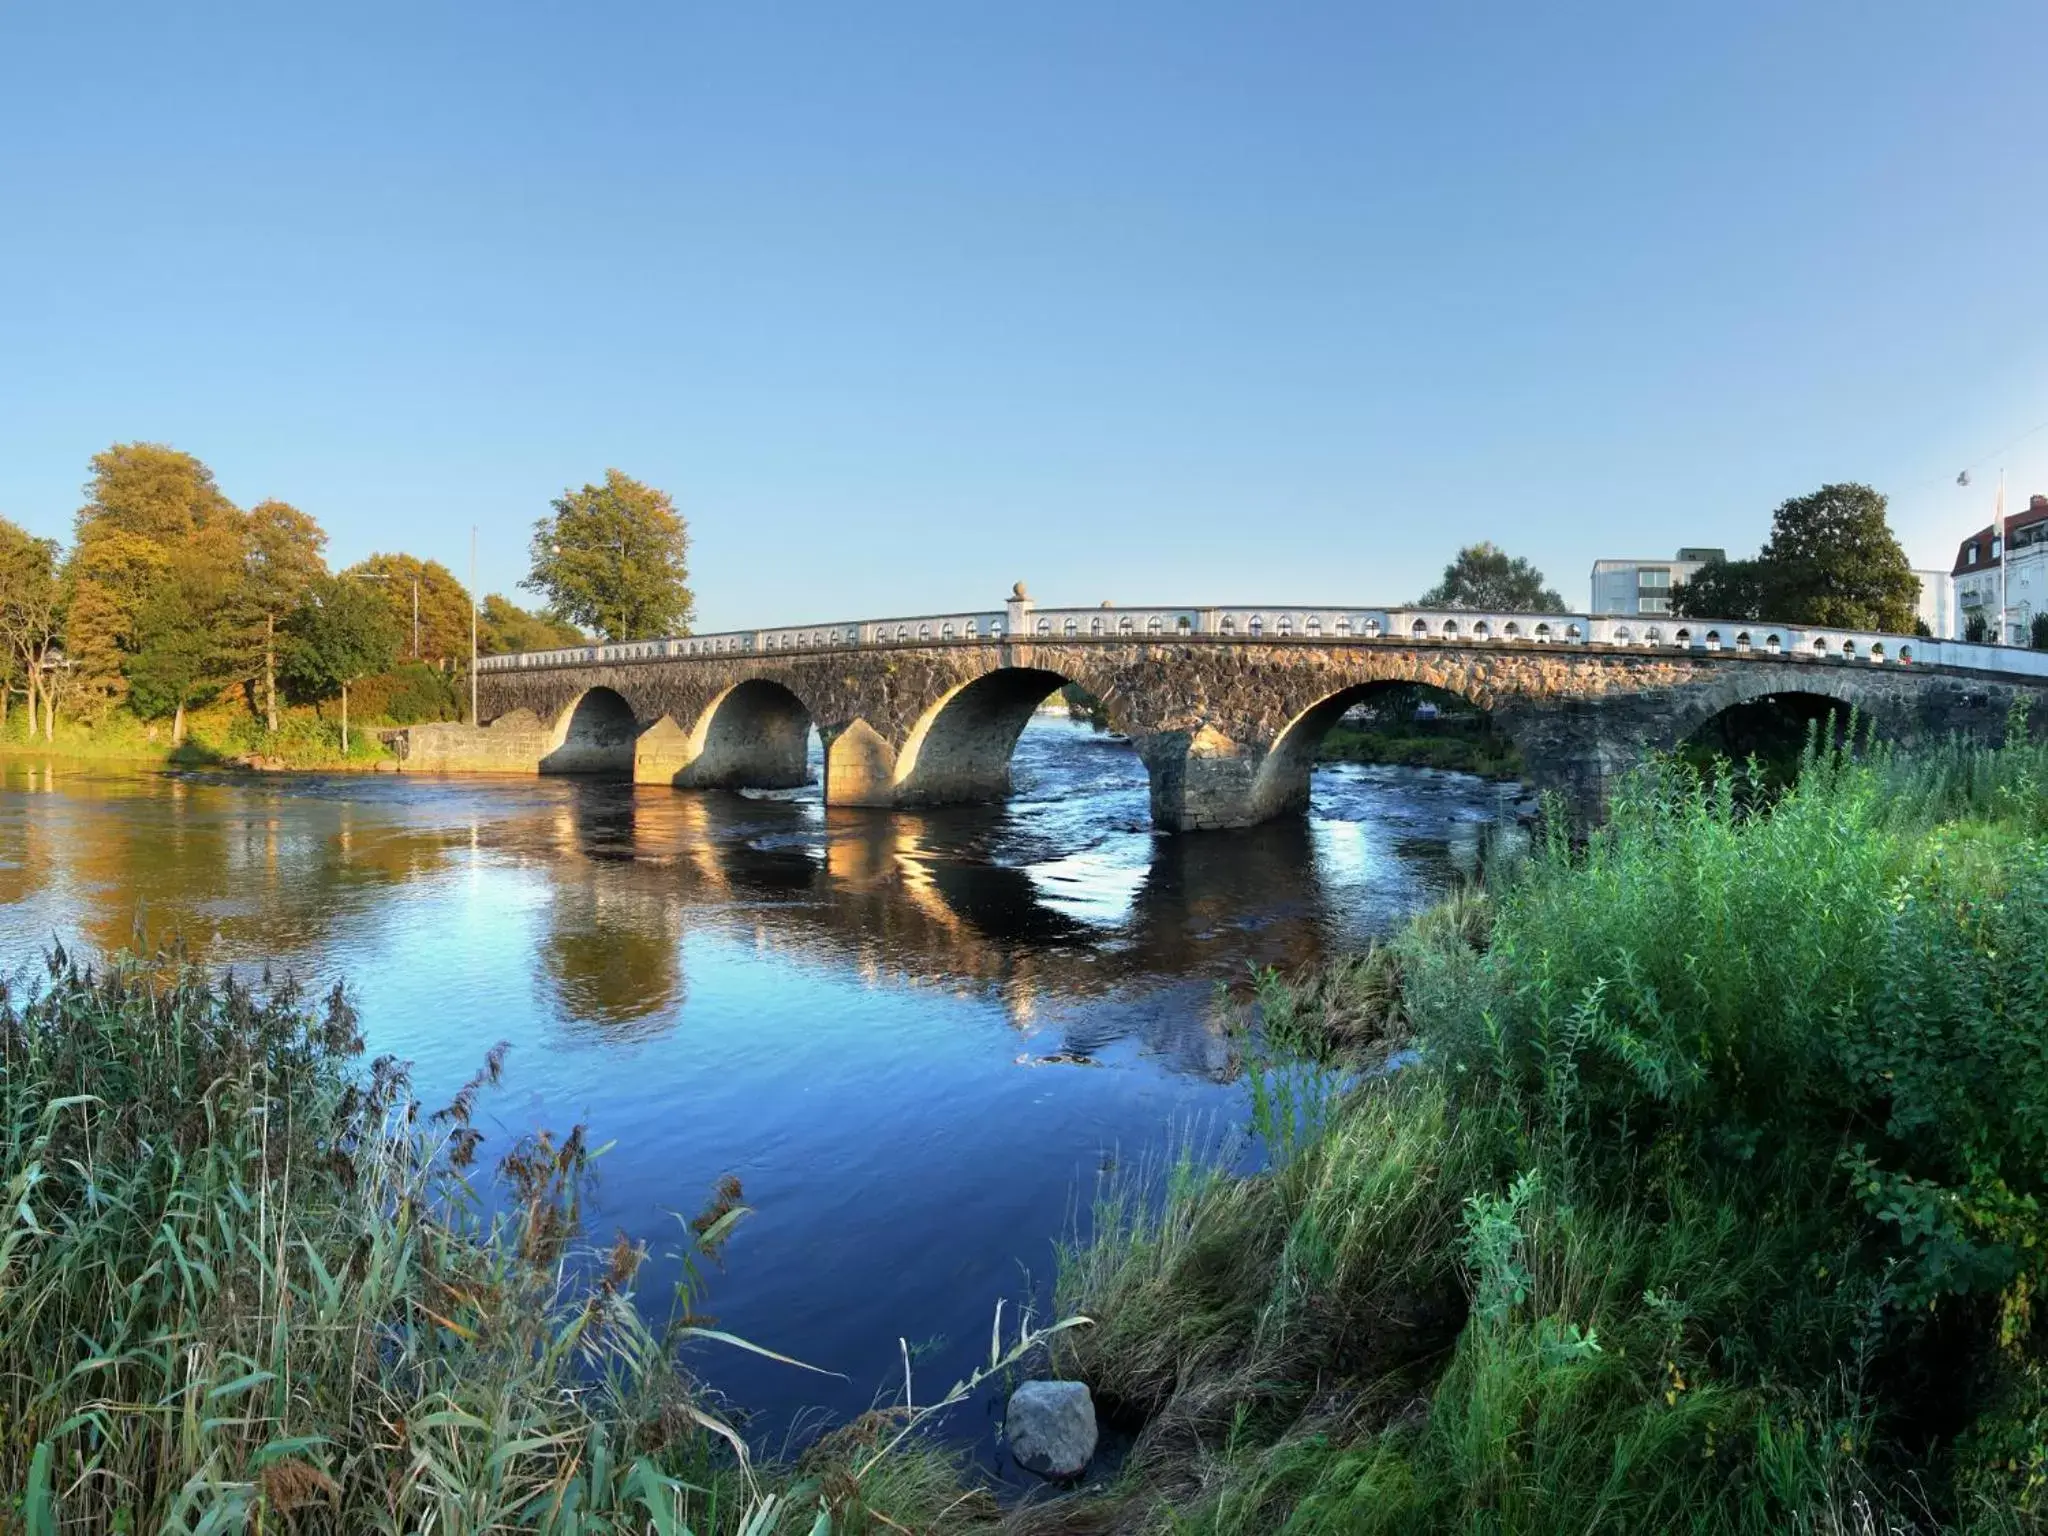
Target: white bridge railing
(1024, 622)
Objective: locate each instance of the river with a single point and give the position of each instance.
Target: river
(849, 1010)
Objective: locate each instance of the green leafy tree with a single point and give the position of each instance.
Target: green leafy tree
(2037, 633)
(1484, 577)
(1975, 629)
(178, 656)
(283, 556)
(31, 620)
(341, 632)
(443, 633)
(1723, 589)
(1832, 559)
(145, 504)
(503, 627)
(614, 558)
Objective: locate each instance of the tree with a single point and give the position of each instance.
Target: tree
(614, 558)
(1975, 629)
(178, 655)
(282, 558)
(341, 632)
(1483, 577)
(1723, 589)
(444, 603)
(144, 503)
(31, 619)
(1832, 560)
(2037, 633)
(503, 626)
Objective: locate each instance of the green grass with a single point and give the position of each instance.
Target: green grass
(1713, 1204)
(305, 739)
(1457, 747)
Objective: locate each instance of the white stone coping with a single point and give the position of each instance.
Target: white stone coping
(1320, 625)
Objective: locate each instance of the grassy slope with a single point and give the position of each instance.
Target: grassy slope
(306, 739)
(1464, 750)
(1714, 1204)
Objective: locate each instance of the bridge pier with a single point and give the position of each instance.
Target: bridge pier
(860, 767)
(1203, 781)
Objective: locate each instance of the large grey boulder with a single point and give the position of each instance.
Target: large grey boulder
(1051, 1428)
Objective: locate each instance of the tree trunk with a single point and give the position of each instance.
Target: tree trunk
(270, 671)
(178, 725)
(344, 719)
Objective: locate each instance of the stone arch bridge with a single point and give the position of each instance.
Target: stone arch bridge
(1226, 707)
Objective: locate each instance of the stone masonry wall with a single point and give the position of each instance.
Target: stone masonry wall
(1211, 718)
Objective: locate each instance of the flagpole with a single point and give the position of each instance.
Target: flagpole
(2004, 554)
(472, 620)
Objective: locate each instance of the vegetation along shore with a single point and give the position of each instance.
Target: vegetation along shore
(1689, 1179)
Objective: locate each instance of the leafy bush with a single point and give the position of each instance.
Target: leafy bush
(408, 694)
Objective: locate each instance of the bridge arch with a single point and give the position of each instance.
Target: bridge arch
(1812, 691)
(959, 749)
(754, 734)
(1280, 784)
(594, 733)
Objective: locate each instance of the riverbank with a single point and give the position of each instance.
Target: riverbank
(1458, 747)
(303, 742)
(1711, 1199)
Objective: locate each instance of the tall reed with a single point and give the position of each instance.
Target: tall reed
(242, 1281)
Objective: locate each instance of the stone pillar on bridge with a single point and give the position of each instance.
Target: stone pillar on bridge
(1204, 781)
(860, 767)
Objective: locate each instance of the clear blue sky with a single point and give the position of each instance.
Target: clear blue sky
(1153, 301)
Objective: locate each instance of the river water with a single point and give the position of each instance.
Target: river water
(849, 1010)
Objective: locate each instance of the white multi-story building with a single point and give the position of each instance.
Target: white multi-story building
(1937, 605)
(2004, 567)
(1644, 586)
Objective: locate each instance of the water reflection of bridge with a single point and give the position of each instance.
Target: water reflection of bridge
(904, 898)
(624, 876)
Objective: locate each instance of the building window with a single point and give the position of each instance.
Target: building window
(1653, 605)
(1069, 627)
(1970, 553)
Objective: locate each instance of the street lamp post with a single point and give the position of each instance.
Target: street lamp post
(472, 624)
(387, 576)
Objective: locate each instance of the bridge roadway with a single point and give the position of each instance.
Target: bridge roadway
(1226, 706)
